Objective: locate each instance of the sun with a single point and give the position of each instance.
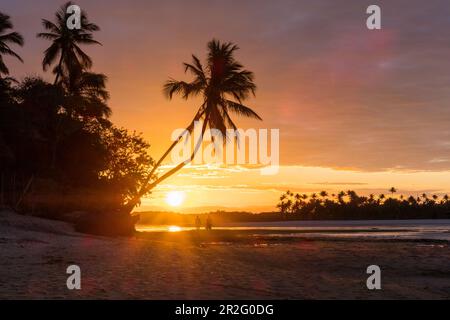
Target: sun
(175, 198)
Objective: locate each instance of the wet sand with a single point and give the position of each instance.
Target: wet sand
(35, 253)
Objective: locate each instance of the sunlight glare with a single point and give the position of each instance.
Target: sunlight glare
(175, 198)
(174, 229)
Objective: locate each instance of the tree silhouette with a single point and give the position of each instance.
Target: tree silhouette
(66, 44)
(323, 194)
(360, 207)
(392, 191)
(7, 38)
(224, 84)
(87, 96)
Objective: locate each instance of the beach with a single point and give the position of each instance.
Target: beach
(34, 255)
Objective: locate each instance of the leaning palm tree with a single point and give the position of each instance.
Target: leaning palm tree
(7, 38)
(65, 48)
(224, 84)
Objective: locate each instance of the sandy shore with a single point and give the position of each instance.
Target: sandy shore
(35, 253)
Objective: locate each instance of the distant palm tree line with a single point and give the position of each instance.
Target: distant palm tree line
(350, 205)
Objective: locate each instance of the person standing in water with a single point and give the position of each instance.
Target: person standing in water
(208, 225)
(198, 223)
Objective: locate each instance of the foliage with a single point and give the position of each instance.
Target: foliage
(67, 158)
(6, 39)
(224, 84)
(349, 205)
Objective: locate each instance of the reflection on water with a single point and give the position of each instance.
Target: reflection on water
(161, 228)
(382, 229)
(174, 229)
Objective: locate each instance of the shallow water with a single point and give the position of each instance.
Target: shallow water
(380, 229)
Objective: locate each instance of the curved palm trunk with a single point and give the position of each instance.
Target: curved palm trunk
(148, 187)
(158, 164)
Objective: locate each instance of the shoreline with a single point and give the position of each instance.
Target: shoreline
(282, 236)
(36, 252)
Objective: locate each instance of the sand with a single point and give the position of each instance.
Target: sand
(34, 255)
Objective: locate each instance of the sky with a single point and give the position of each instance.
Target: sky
(356, 108)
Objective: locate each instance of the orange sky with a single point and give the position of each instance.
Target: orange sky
(363, 103)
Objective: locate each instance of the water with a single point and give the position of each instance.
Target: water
(380, 229)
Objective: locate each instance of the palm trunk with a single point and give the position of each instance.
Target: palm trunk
(58, 73)
(147, 187)
(158, 164)
(55, 142)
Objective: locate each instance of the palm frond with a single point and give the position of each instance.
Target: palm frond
(241, 110)
(182, 88)
(13, 37)
(5, 40)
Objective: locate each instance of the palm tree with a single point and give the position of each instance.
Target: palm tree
(392, 190)
(289, 205)
(412, 200)
(354, 198)
(7, 38)
(65, 45)
(224, 84)
(87, 96)
(341, 196)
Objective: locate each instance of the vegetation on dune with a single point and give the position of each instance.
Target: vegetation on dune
(45, 145)
(59, 152)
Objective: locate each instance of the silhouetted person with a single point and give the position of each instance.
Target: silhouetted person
(198, 223)
(208, 225)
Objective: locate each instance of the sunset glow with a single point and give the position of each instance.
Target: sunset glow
(254, 152)
(350, 106)
(175, 198)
